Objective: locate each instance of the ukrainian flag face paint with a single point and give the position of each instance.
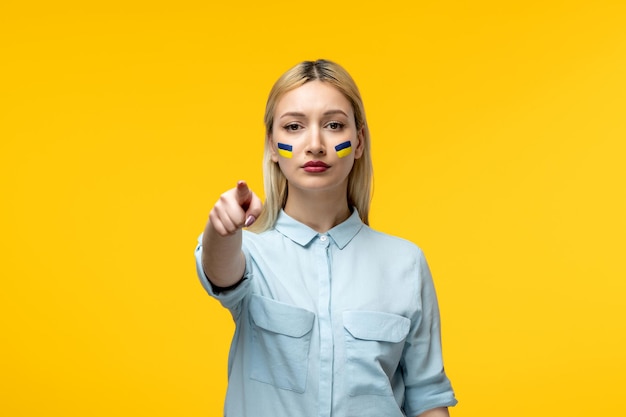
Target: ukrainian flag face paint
(284, 150)
(343, 149)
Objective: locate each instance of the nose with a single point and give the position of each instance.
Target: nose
(315, 144)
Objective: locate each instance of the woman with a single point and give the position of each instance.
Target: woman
(332, 317)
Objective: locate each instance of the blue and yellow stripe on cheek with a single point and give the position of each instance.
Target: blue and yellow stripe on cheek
(284, 150)
(343, 149)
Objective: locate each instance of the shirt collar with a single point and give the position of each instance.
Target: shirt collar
(302, 234)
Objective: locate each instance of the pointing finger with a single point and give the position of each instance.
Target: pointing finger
(244, 195)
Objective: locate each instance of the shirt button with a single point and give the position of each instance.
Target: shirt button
(323, 238)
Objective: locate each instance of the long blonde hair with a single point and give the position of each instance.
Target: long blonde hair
(359, 179)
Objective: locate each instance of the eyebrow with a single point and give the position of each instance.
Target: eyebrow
(326, 113)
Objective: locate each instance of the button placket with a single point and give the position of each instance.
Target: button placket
(325, 328)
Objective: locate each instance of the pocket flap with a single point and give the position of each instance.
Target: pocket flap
(282, 318)
(376, 325)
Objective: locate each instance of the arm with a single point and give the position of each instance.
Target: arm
(436, 412)
(427, 388)
(222, 259)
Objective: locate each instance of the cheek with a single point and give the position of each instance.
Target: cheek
(286, 166)
(284, 150)
(280, 148)
(343, 149)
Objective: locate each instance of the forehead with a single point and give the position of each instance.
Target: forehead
(311, 97)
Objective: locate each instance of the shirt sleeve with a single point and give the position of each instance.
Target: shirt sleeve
(232, 297)
(426, 383)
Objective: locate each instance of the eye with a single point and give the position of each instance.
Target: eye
(292, 127)
(335, 125)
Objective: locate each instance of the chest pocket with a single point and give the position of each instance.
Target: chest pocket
(281, 337)
(374, 344)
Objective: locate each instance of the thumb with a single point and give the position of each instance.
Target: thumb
(254, 210)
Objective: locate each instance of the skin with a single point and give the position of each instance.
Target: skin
(223, 260)
(313, 118)
(436, 412)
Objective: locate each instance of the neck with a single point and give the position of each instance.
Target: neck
(320, 211)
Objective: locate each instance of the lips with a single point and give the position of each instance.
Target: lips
(316, 164)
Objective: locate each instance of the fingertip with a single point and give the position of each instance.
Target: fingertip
(242, 188)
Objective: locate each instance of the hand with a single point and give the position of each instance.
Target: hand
(236, 208)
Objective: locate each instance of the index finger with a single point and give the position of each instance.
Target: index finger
(244, 195)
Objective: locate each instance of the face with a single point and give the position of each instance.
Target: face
(314, 138)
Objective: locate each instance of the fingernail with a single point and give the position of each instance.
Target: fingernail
(251, 219)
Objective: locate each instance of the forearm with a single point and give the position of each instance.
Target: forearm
(223, 261)
(436, 412)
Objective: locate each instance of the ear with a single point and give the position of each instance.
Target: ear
(272, 147)
(360, 146)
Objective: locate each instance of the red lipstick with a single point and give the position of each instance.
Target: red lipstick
(315, 166)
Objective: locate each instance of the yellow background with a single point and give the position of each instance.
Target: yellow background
(498, 133)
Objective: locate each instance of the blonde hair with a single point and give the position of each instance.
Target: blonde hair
(360, 177)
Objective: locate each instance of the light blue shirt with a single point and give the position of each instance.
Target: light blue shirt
(341, 324)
